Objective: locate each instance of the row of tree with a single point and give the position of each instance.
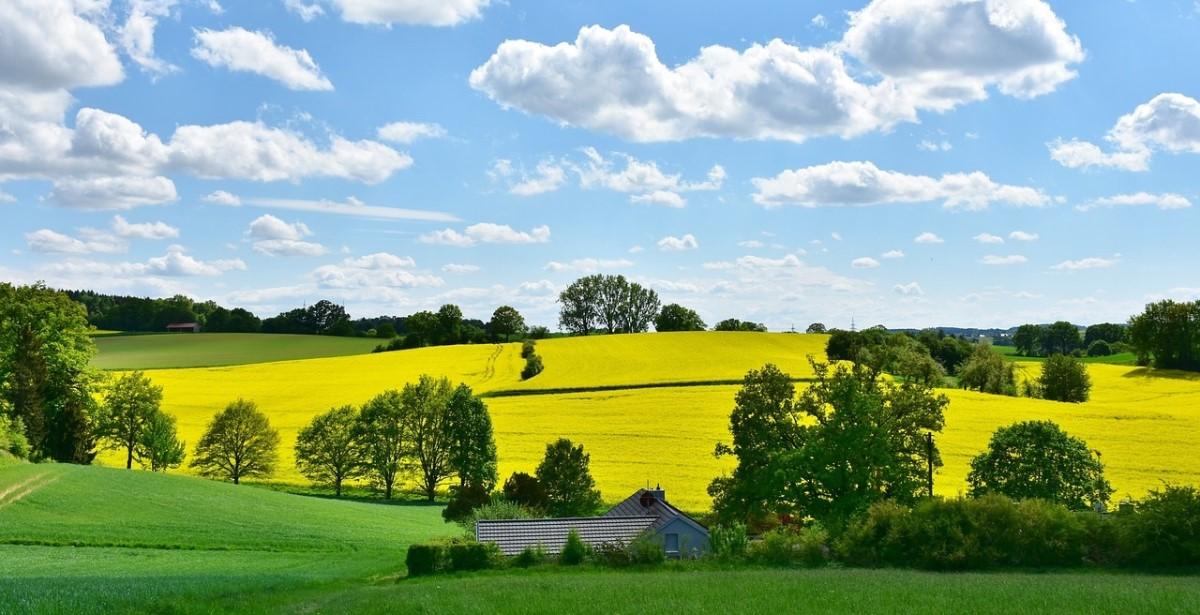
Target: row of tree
(124, 313)
(1167, 335)
(1064, 338)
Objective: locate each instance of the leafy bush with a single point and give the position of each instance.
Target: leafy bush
(1099, 348)
(645, 551)
(423, 559)
(1165, 530)
(987, 371)
(1038, 460)
(531, 556)
(792, 547)
(574, 551)
(497, 508)
(470, 556)
(612, 555)
(539, 333)
(527, 349)
(464, 501)
(526, 490)
(728, 542)
(12, 437)
(533, 367)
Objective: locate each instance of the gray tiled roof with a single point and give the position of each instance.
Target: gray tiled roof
(662, 510)
(514, 535)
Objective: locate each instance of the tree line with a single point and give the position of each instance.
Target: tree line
(612, 304)
(1064, 338)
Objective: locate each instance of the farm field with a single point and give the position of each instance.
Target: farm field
(95, 540)
(165, 350)
(1121, 358)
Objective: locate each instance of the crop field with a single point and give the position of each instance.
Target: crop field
(1120, 358)
(164, 350)
(91, 540)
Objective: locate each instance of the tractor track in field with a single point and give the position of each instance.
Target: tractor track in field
(489, 367)
(19, 491)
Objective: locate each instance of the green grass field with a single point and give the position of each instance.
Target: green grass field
(166, 350)
(1121, 358)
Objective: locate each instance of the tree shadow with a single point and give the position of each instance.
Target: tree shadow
(1172, 374)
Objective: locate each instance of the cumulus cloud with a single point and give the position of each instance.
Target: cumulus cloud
(912, 289)
(547, 177)
(1023, 236)
(221, 197)
(1169, 122)
(784, 272)
(892, 254)
(98, 193)
(175, 263)
(459, 268)
(865, 262)
(410, 12)
(928, 238)
(862, 183)
(382, 269)
(48, 45)
(1166, 200)
(671, 243)
(274, 237)
(946, 54)
(136, 35)
(589, 265)
(487, 232)
(988, 238)
(1011, 259)
(242, 50)
(931, 146)
(306, 11)
(407, 132)
(643, 181)
(143, 230)
(1092, 262)
(52, 242)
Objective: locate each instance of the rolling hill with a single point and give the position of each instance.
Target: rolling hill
(165, 350)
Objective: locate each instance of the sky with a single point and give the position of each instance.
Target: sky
(909, 163)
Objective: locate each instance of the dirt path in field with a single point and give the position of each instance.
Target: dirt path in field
(15, 493)
(489, 368)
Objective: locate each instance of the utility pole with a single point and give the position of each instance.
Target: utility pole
(929, 460)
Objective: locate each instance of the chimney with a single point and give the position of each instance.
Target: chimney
(658, 493)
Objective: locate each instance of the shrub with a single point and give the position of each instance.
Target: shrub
(497, 508)
(539, 333)
(527, 349)
(470, 556)
(464, 501)
(728, 542)
(531, 556)
(987, 371)
(612, 554)
(1165, 529)
(574, 551)
(526, 490)
(1065, 379)
(644, 551)
(423, 559)
(876, 537)
(533, 367)
(12, 437)
(1037, 459)
(1099, 348)
(791, 547)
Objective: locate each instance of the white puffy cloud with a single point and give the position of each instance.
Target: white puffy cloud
(410, 12)
(460, 268)
(125, 192)
(1011, 259)
(274, 237)
(306, 11)
(379, 270)
(221, 197)
(381, 260)
(143, 230)
(1092, 262)
(928, 238)
(943, 54)
(116, 142)
(239, 49)
(487, 232)
(864, 262)
(1166, 200)
(48, 45)
(862, 183)
(176, 262)
(1169, 122)
(589, 265)
(547, 177)
(911, 289)
(892, 254)
(671, 243)
(407, 132)
(988, 238)
(137, 34)
(48, 241)
(1023, 236)
(643, 181)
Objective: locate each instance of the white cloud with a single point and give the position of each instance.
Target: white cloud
(988, 238)
(912, 289)
(222, 197)
(48, 241)
(787, 271)
(644, 181)
(865, 262)
(410, 12)
(891, 254)
(943, 55)
(930, 146)
(1011, 259)
(547, 178)
(407, 132)
(751, 244)
(1023, 236)
(636, 249)
(381, 260)
(351, 207)
(836, 236)
(274, 237)
(487, 232)
(379, 270)
(289, 247)
(1169, 122)
(98, 193)
(1093, 262)
(306, 12)
(862, 183)
(242, 50)
(1166, 200)
(175, 263)
(818, 21)
(589, 265)
(660, 197)
(137, 34)
(143, 230)
(459, 268)
(47, 45)
(671, 243)
(928, 238)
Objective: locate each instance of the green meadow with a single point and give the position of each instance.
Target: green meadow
(167, 350)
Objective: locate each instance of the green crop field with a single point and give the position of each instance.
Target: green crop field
(1121, 358)
(165, 350)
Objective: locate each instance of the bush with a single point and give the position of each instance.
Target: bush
(470, 556)
(728, 542)
(496, 509)
(791, 547)
(612, 555)
(1099, 348)
(423, 559)
(12, 437)
(531, 556)
(1165, 529)
(539, 333)
(574, 551)
(533, 367)
(464, 501)
(525, 490)
(527, 349)
(1065, 379)
(1038, 460)
(644, 551)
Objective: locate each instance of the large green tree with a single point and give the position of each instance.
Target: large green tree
(1037, 459)
(325, 448)
(1028, 340)
(45, 380)
(130, 404)
(426, 416)
(986, 371)
(1061, 337)
(381, 437)
(608, 302)
(675, 317)
(507, 321)
(472, 444)
(1064, 378)
(238, 443)
(567, 480)
(1167, 333)
(579, 306)
(159, 448)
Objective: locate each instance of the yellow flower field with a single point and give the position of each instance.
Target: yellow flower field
(1145, 424)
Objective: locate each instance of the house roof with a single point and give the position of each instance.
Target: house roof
(652, 503)
(514, 535)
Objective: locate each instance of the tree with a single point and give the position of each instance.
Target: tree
(1104, 332)
(385, 330)
(1028, 340)
(986, 371)
(239, 443)
(131, 404)
(1037, 459)
(422, 329)
(382, 440)
(564, 474)
(733, 324)
(1061, 337)
(325, 448)
(607, 301)
(1168, 333)
(1099, 348)
(325, 317)
(12, 438)
(675, 317)
(1064, 378)
(44, 354)
(640, 307)
(449, 324)
(580, 303)
(472, 445)
(815, 327)
(847, 441)
(159, 448)
(506, 321)
(525, 490)
(426, 412)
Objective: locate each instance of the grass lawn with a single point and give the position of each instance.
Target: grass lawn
(166, 350)
(1121, 358)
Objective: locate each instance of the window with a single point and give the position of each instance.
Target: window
(672, 543)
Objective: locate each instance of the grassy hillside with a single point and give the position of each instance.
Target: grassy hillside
(78, 539)
(165, 350)
(1121, 358)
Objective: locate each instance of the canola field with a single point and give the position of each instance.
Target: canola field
(1144, 423)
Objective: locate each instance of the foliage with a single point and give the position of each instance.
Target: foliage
(464, 500)
(786, 546)
(1064, 378)
(1165, 530)
(675, 317)
(1028, 340)
(574, 551)
(850, 439)
(728, 542)
(816, 327)
(326, 452)
(530, 556)
(1037, 459)
(426, 417)
(1107, 332)
(422, 559)
(1061, 337)
(159, 448)
(608, 302)
(528, 349)
(539, 332)
(322, 318)
(533, 367)
(506, 321)
(564, 474)
(45, 380)
(1099, 348)
(1168, 333)
(123, 313)
(385, 331)
(239, 443)
(130, 403)
(733, 324)
(381, 440)
(525, 490)
(12, 437)
(497, 508)
(472, 443)
(986, 371)
(641, 551)
(470, 556)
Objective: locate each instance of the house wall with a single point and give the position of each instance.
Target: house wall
(692, 541)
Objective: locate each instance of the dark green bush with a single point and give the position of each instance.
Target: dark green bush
(464, 501)
(1165, 529)
(792, 547)
(645, 551)
(423, 559)
(612, 555)
(531, 556)
(877, 537)
(525, 490)
(574, 551)
(728, 542)
(470, 556)
(539, 333)
(533, 367)
(1099, 348)
(527, 349)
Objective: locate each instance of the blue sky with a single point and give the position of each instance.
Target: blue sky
(910, 163)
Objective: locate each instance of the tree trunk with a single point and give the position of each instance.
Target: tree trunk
(387, 491)
(337, 487)
(129, 459)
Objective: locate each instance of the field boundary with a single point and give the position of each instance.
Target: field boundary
(624, 387)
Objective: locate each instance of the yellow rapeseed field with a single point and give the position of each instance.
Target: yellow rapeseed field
(1145, 424)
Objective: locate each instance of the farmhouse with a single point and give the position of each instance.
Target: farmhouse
(183, 327)
(645, 513)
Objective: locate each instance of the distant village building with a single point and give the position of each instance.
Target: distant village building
(645, 513)
(183, 327)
